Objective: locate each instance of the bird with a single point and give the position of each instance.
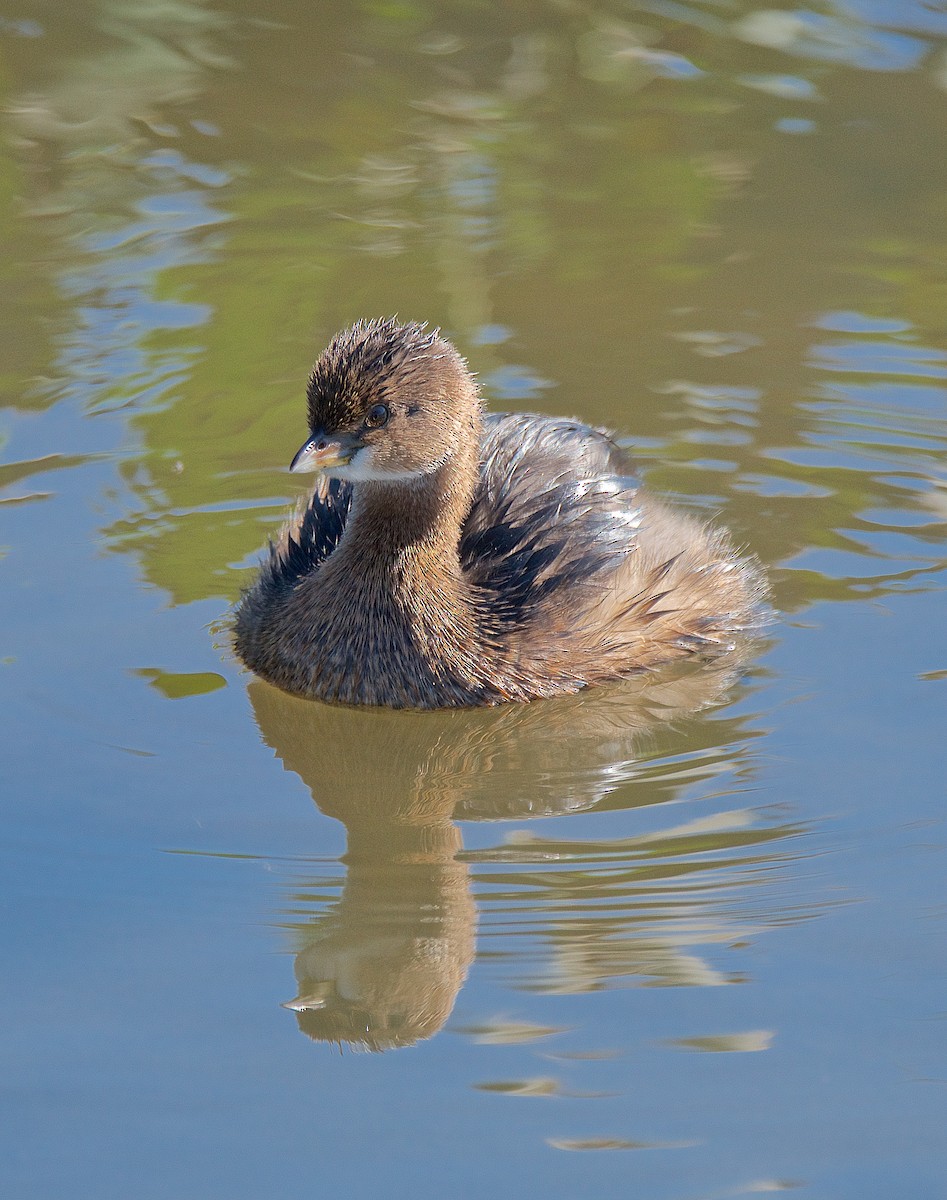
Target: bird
(451, 558)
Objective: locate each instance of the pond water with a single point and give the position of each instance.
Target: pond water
(681, 940)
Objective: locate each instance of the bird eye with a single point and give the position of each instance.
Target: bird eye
(377, 416)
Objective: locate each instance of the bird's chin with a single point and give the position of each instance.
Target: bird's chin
(361, 469)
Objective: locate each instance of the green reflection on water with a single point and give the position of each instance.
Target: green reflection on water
(566, 180)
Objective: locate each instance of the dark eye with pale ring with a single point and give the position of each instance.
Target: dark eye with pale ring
(377, 416)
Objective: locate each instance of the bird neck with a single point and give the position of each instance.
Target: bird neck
(412, 525)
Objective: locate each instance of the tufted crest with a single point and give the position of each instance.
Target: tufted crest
(371, 363)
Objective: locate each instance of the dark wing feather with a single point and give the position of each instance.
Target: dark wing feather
(555, 504)
(304, 542)
(311, 536)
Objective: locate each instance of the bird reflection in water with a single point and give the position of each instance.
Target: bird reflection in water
(382, 967)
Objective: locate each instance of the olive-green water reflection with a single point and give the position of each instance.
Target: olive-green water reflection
(382, 965)
(573, 197)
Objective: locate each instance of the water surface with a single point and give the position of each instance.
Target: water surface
(682, 940)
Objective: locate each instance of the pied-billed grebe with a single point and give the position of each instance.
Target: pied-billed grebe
(448, 558)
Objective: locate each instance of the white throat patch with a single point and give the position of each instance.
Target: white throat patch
(361, 470)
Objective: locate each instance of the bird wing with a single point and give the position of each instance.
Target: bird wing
(311, 535)
(555, 505)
